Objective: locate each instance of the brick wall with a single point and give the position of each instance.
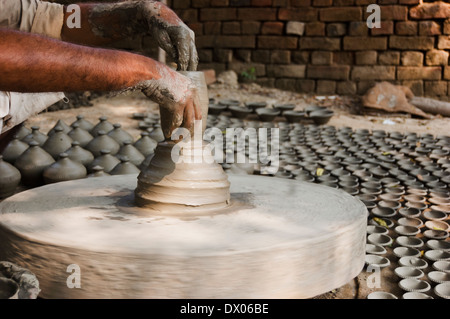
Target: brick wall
(324, 46)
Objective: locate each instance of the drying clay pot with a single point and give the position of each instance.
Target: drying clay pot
(64, 170)
(120, 135)
(406, 252)
(105, 160)
(97, 171)
(294, 116)
(83, 124)
(381, 295)
(377, 261)
(32, 164)
(443, 290)
(103, 125)
(102, 142)
(415, 262)
(416, 295)
(439, 276)
(442, 265)
(79, 154)
(267, 115)
(438, 244)
(240, 112)
(412, 242)
(22, 132)
(414, 285)
(14, 149)
(80, 135)
(132, 153)
(437, 255)
(57, 143)
(65, 128)
(375, 249)
(145, 144)
(9, 178)
(409, 272)
(35, 135)
(125, 167)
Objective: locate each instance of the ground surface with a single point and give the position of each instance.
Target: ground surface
(348, 112)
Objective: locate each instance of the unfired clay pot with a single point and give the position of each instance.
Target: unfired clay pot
(120, 135)
(79, 154)
(146, 145)
(9, 178)
(97, 171)
(14, 149)
(57, 143)
(83, 123)
(102, 125)
(64, 170)
(105, 160)
(35, 135)
(32, 164)
(80, 135)
(132, 153)
(125, 167)
(61, 124)
(103, 142)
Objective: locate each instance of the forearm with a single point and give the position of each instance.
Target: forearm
(32, 63)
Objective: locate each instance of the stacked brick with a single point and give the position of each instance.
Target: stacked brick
(325, 46)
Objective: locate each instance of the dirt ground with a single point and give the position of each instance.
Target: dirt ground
(348, 112)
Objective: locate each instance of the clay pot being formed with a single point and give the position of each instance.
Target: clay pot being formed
(79, 154)
(64, 170)
(10, 178)
(102, 125)
(105, 160)
(83, 124)
(146, 145)
(102, 142)
(35, 135)
(14, 149)
(120, 135)
(125, 167)
(80, 135)
(135, 157)
(32, 164)
(57, 143)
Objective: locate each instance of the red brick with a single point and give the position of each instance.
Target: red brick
(204, 41)
(447, 72)
(235, 41)
(444, 42)
(435, 88)
(429, 28)
(410, 2)
(331, 72)
(321, 57)
(277, 42)
(415, 86)
(340, 14)
(280, 57)
(223, 55)
(365, 43)
(343, 3)
(363, 2)
(322, 3)
(286, 71)
(412, 58)
(315, 29)
(326, 87)
(381, 2)
(220, 3)
(212, 27)
(343, 57)
(304, 14)
(428, 11)
(389, 58)
(375, 72)
(436, 57)
(259, 14)
(180, 4)
(411, 43)
(418, 73)
(336, 29)
(364, 86)
(231, 27)
(300, 3)
(358, 28)
(251, 27)
(286, 84)
(218, 14)
(406, 28)
(196, 27)
(305, 86)
(188, 15)
(386, 28)
(346, 88)
(199, 3)
(280, 3)
(261, 56)
(399, 13)
(243, 55)
(300, 57)
(272, 27)
(240, 3)
(261, 3)
(366, 58)
(320, 43)
(205, 55)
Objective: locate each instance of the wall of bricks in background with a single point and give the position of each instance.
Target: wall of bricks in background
(325, 46)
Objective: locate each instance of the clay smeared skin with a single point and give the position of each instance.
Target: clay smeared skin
(104, 23)
(33, 63)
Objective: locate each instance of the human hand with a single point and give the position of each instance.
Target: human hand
(172, 35)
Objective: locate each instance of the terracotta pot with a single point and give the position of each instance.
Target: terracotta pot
(64, 169)
(10, 178)
(32, 164)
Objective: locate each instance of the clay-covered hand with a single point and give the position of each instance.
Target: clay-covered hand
(173, 36)
(178, 100)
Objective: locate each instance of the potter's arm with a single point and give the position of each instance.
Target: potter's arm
(105, 23)
(33, 63)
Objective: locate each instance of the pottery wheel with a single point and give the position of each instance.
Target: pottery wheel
(279, 239)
